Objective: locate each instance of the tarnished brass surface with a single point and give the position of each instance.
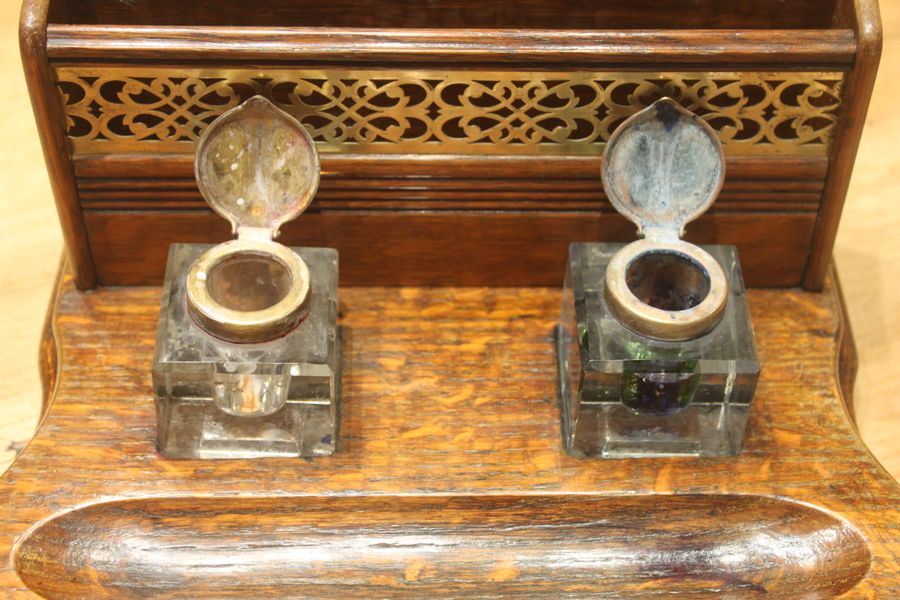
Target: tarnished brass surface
(257, 325)
(663, 323)
(113, 109)
(257, 167)
(663, 167)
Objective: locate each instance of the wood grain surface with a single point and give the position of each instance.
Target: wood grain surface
(526, 14)
(426, 236)
(552, 546)
(449, 477)
(867, 254)
(87, 52)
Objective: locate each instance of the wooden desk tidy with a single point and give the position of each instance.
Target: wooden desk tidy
(449, 478)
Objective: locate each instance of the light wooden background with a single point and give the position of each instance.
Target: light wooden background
(867, 254)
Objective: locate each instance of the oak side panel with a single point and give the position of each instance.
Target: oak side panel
(51, 123)
(858, 86)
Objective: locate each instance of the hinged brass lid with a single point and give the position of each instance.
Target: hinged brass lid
(662, 168)
(257, 166)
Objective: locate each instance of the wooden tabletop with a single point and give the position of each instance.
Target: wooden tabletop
(867, 252)
(450, 479)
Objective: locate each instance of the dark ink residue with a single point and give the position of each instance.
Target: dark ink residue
(668, 114)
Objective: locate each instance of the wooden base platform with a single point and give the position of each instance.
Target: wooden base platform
(450, 479)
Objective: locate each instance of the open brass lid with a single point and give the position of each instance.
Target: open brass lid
(257, 167)
(662, 168)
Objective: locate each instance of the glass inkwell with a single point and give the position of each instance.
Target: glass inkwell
(247, 360)
(655, 346)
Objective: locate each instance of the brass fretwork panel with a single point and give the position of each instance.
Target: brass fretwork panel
(145, 110)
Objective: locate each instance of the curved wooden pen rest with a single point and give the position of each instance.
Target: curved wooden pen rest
(450, 479)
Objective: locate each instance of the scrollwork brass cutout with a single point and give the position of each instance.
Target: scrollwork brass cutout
(142, 109)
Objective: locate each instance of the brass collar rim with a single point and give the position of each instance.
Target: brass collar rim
(666, 325)
(248, 326)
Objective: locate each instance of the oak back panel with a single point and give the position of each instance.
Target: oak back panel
(458, 147)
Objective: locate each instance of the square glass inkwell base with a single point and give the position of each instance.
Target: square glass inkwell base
(247, 360)
(220, 399)
(628, 395)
